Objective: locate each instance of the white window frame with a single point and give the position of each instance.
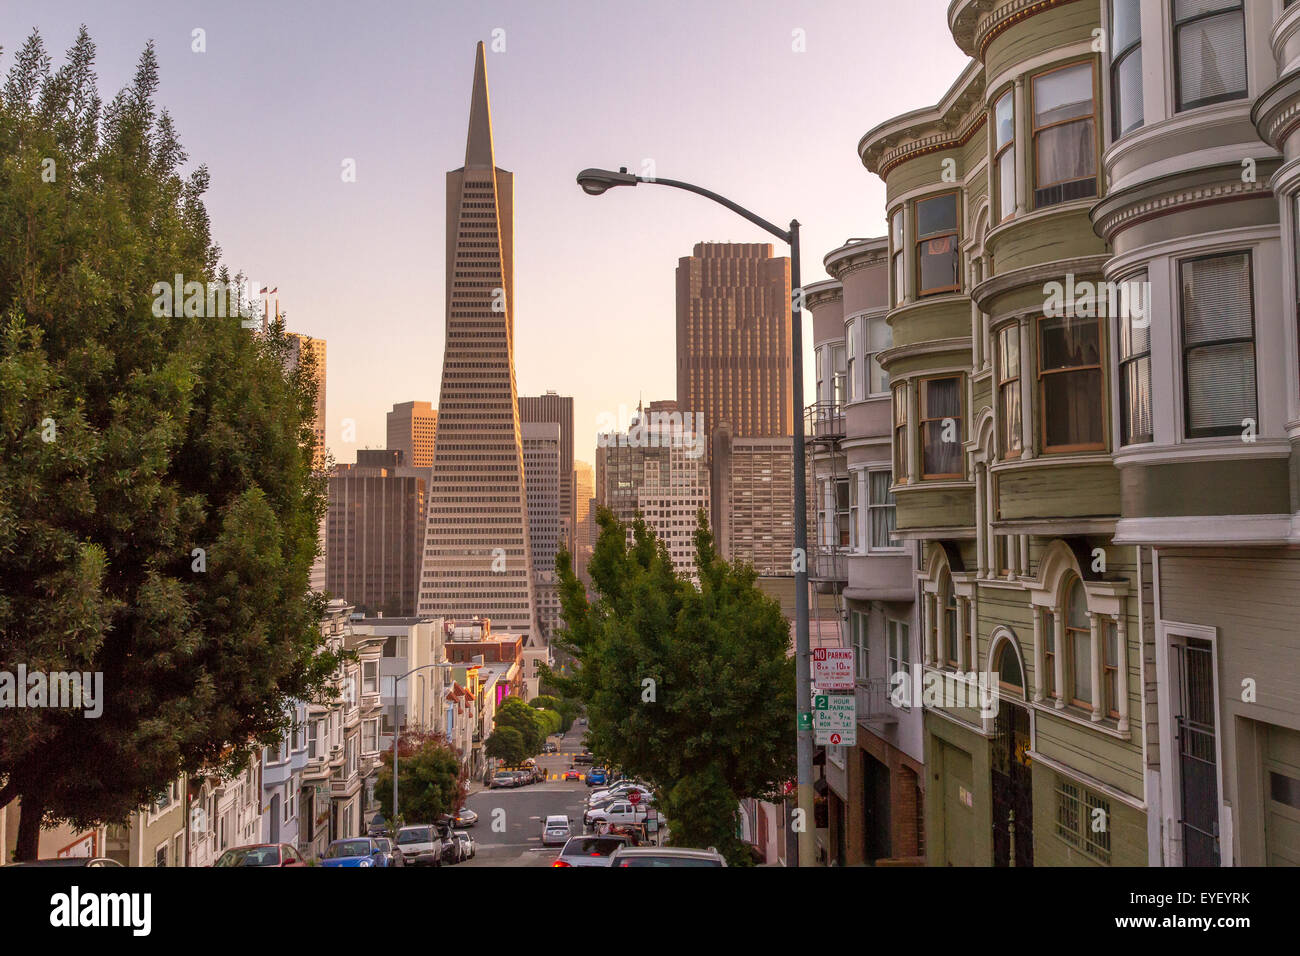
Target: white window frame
(898, 637)
(860, 627)
(855, 390)
(369, 678)
(869, 354)
(871, 549)
(372, 722)
(857, 487)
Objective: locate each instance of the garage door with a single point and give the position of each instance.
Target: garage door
(1282, 797)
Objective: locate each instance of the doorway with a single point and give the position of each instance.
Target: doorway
(1012, 784)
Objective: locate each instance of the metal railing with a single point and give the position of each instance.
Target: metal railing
(823, 421)
(873, 703)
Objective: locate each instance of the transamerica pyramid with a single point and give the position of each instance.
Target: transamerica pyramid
(477, 557)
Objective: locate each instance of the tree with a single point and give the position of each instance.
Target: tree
(158, 512)
(430, 779)
(565, 708)
(514, 713)
(691, 688)
(506, 744)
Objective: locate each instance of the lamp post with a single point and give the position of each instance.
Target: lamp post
(396, 681)
(595, 182)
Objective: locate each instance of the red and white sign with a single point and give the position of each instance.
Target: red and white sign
(634, 797)
(832, 668)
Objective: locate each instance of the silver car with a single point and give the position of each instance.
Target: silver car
(590, 850)
(420, 845)
(665, 856)
(556, 830)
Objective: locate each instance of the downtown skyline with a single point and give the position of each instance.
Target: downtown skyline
(360, 264)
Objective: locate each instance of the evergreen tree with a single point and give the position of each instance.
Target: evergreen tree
(158, 512)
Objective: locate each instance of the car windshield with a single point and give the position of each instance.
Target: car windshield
(592, 846)
(348, 848)
(251, 856)
(417, 835)
(667, 861)
(383, 844)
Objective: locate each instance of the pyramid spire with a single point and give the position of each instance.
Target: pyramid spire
(478, 146)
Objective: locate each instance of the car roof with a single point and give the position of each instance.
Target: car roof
(685, 852)
(554, 817)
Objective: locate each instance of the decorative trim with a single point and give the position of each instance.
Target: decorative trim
(1209, 530)
(930, 144)
(1087, 780)
(1122, 217)
(1008, 16)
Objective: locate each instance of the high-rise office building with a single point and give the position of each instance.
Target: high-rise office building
(477, 556)
(558, 409)
(412, 429)
(733, 337)
(584, 490)
(542, 475)
(375, 529)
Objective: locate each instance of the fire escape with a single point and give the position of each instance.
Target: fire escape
(828, 477)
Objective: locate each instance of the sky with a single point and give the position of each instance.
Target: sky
(763, 101)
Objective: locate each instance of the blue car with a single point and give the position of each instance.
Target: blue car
(597, 777)
(356, 851)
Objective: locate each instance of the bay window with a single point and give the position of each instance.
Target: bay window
(900, 435)
(851, 356)
(896, 245)
(819, 365)
(842, 512)
(1110, 665)
(1047, 679)
(1069, 384)
(855, 535)
(858, 625)
(1064, 135)
(881, 511)
(937, 255)
(1218, 344)
(1209, 52)
(1134, 372)
(1126, 66)
(879, 337)
(941, 428)
(900, 659)
(1004, 154)
(1078, 646)
(948, 600)
(1008, 372)
(839, 372)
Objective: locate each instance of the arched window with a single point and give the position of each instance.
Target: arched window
(1010, 677)
(1048, 678)
(949, 598)
(1078, 645)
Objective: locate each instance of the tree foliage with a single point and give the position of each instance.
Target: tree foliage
(506, 744)
(430, 779)
(529, 723)
(691, 688)
(127, 441)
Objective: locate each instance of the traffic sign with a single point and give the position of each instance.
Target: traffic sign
(805, 720)
(835, 719)
(634, 797)
(832, 668)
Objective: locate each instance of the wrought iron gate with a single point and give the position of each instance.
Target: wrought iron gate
(1198, 772)
(1012, 779)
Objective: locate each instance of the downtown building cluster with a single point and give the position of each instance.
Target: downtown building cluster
(1055, 439)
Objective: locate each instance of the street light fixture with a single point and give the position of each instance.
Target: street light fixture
(595, 182)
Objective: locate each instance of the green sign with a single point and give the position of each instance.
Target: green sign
(805, 720)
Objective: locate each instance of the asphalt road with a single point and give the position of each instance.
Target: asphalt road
(509, 828)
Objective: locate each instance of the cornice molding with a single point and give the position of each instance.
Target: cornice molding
(1127, 208)
(1003, 18)
(1039, 274)
(1277, 111)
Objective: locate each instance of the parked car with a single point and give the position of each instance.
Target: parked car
(585, 757)
(420, 845)
(522, 777)
(589, 850)
(355, 851)
(378, 826)
(665, 856)
(468, 845)
(550, 748)
(73, 861)
(620, 811)
(556, 830)
(619, 789)
(597, 777)
(261, 854)
(502, 779)
(465, 817)
(393, 855)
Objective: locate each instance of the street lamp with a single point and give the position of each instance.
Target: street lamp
(396, 681)
(595, 182)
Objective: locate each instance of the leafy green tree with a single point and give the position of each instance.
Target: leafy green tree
(430, 779)
(506, 744)
(514, 713)
(158, 511)
(567, 709)
(691, 688)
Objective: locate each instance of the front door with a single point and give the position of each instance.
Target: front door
(1012, 780)
(954, 779)
(1198, 768)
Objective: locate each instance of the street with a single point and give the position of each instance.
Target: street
(509, 828)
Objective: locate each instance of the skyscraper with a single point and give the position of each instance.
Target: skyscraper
(733, 337)
(542, 477)
(584, 491)
(412, 428)
(559, 409)
(477, 559)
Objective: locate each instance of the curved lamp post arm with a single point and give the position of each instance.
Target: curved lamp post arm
(783, 234)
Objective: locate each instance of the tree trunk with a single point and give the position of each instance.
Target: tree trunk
(30, 813)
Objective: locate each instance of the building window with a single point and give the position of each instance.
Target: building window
(1209, 51)
(1008, 358)
(370, 736)
(948, 599)
(819, 363)
(1069, 384)
(900, 275)
(1004, 154)
(900, 658)
(842, 511)
(1110, 665)
(370, 677)
(1078, 646)
(840, 369)
(1064, 138)
(855, 536)
(851, 342)
(881, 511)
(900, 434)
(1048, 678)
(1126, 65)
(858, 625)
(1135, 370)
(879, 337)
(1218, 344)
(1010, 677)
(1083, 820)
(937, 257)
(941, 428)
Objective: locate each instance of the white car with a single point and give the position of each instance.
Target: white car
(420, 845)
(466, 844)
(556, 831)
(620, 811)
(618, 789)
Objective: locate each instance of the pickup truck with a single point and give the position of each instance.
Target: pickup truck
(620, 811)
